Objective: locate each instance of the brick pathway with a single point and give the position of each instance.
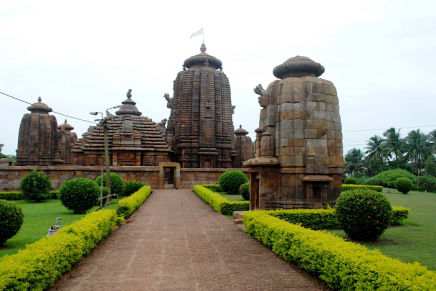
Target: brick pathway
(176, 241)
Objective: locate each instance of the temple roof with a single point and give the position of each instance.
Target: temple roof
(65, 126)
(297, 67)
(240, 130)
(203, 59)
(39, 106)
(128, 107)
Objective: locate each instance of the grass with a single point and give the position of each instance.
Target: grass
(415, 240)
(232, 197)
(38, 217)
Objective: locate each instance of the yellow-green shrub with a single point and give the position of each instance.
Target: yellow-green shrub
(346, 187)
(218, 202)
(128, 205)
(40, 264)
(341, 264)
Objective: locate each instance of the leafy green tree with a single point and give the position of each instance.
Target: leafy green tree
(430, 165)
(375, 153)
(418, 149)
(394, 145)
(354, 163)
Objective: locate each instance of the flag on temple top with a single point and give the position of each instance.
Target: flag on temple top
(198, 32)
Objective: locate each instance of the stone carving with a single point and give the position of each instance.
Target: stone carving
(67, 141)
(134, 140)
(200, 127)
(299, 158)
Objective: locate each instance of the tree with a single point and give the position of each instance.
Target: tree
(430, 165)
(375, 153)
(394, 145)
(354, 164)
(418, 149)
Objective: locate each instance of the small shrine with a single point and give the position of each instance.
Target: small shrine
(299, 160)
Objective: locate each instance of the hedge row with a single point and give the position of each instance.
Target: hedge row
(218, 202)
(326, 218)
(128, 205)
(43, 262)
(341, 264)
(18, 195)
(346, 187)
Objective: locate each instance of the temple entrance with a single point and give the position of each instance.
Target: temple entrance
(169, 175)
(317, 187)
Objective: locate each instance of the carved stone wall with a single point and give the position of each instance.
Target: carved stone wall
(299, 158)
(200, 127)
(243, 147)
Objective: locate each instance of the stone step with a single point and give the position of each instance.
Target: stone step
(238, 214)
(238, 220)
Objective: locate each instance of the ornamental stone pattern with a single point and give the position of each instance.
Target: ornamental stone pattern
(242, 146)
(299, 158)
(200, 127)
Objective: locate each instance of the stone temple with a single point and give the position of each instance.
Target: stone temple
(200, 129)
(299, 160)
(134, 140)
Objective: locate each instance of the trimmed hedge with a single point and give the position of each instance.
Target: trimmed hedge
(18, 195)
(341, 264)
(218, 202)
(128, 205)
(42, 263)
(326, 218)
(231, 180)
(404, 185)
(346, 187)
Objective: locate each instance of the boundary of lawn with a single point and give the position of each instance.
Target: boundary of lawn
(219, 203)
(43, 262)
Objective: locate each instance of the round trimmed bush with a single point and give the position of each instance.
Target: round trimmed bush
(363, 214)
(388, 178)
(117, 183)
(36, 186)
(244, 190)
(79, 194)
(231, 180)
(131, 187)
(11, 219)
(350, 180)
(404, 185)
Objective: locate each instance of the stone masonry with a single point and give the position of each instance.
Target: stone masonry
(299, 158)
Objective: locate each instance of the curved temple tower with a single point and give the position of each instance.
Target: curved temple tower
(299, 158)
(200, 127)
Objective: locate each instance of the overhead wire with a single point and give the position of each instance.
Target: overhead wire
(56, 112)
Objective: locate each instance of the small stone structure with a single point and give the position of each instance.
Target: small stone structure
(299, 158)
(200, 127)
(134, 140)
(38, 138)
(66, 142)
(242, 146)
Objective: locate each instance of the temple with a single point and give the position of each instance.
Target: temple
(299, 158)
(38, 138)
(134, 140)
(200, 126)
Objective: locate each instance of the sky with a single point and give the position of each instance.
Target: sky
(83, 56)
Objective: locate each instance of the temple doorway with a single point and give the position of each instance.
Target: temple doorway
(169, 175)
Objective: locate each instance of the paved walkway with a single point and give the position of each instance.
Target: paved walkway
(176, 241)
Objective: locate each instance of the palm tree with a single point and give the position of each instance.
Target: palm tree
(354, 162)
(418, 148)
(394, 144)
(375, 151)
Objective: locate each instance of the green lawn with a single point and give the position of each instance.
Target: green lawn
(414, 241)
(38, 217)
(232, 197)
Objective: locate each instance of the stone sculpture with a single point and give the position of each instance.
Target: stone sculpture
(299, 158)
